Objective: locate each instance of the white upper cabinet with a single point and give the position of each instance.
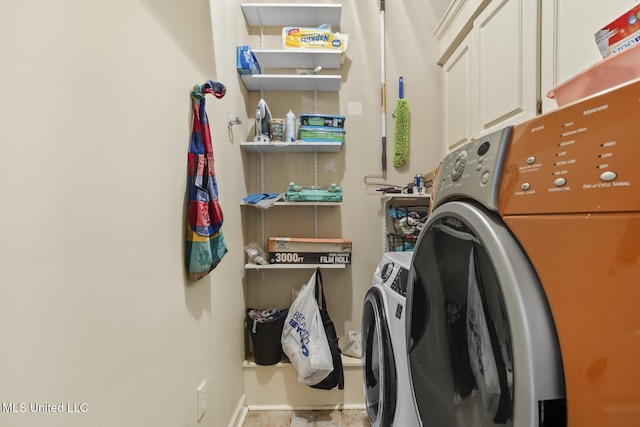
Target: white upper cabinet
(490, 79)
(455, 24)
(505, 41)
(457, 86)
(500, 58)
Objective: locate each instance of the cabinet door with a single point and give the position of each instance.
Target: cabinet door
(457, 87)
(567, 37)
(505, 46)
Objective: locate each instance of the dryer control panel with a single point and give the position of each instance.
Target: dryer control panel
(582, 158)
(473, 170)
(394, 271)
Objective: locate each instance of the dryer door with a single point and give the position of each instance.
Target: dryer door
(378, 364)
(482, 347)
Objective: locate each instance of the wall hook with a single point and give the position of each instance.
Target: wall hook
(233, 120)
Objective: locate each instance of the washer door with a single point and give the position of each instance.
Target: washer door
(482, 347)
(378, 365)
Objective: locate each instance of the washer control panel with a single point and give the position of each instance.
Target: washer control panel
(473, 170)
(579, 158)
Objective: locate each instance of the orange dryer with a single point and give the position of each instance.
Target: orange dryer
(570, 194)
(524, 289)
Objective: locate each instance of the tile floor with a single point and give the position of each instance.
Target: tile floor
(331, 418)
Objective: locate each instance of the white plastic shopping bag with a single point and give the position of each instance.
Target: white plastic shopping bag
(304, 340)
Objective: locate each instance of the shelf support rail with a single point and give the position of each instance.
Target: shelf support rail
(257, 9)
(315, 99)
(315, 169)
(261, 170)
(262, 232)
(315, 183)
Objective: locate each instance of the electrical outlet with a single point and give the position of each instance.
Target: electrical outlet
(202, 399)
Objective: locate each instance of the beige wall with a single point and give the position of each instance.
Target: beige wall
(94, 126)
(94, 129)
(411, 53)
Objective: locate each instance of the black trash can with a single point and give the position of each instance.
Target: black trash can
(265, 328)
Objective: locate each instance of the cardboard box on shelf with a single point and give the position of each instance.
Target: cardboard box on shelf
(322, 120)
(301, 250)
(620, 34)
(321, 134)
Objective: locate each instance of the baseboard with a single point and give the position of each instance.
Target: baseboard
(276, 387)
(240, 414)
(345, 407)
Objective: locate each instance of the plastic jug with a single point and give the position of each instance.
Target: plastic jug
(290, 127)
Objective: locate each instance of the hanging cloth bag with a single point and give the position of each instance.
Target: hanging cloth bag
(336, 377)
(205, 242)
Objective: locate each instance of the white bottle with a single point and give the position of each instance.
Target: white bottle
(290, 127)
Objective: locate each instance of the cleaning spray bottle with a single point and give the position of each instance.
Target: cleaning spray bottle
(290, 127)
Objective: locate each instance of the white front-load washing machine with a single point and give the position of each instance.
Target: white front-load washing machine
(385, 369)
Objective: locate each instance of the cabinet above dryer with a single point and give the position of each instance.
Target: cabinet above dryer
(490, 76)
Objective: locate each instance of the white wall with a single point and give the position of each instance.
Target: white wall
(94, 129)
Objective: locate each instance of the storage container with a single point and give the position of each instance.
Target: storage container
(265, 334)
(321, 134)
(276, 129)
(612, 71)
(322, 120)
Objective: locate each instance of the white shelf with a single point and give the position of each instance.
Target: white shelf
(251, 266)
(291, 14)
(302, 147)
(298, 58)
(292, 82)
(330, 204)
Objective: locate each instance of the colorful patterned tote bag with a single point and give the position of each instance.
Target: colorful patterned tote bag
(205, 242)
